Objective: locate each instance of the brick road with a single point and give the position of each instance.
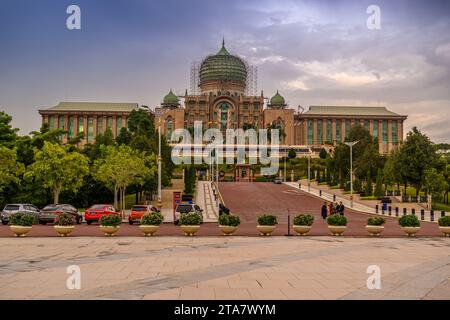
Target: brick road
(249, 200)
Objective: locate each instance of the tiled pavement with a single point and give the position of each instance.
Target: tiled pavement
(225, 268)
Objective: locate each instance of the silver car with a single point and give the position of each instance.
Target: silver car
(186, 208)
(26, 208)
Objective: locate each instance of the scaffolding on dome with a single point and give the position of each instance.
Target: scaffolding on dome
(252, 80)
(195, 79)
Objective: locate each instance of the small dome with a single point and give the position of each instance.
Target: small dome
(223, 67)
(277, 100)
(170, 98)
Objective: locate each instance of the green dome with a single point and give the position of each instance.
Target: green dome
(277, 100)
(170, 98)
(223, 66)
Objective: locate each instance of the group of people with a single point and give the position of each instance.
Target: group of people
(329, 208)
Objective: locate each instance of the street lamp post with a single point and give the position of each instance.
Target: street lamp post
(351, 144)
(159, 114)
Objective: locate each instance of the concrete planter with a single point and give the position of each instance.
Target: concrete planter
(445, 231)
(109, 231)
(265, 230)
(337, 230)
(228, 230)
(411, 231)
(190, 230)
(64, 231)
(302, 230)
(148, 230)
(20, 231)
(374, 230)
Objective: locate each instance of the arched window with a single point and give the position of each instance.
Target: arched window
(169, 127)
(223, 114)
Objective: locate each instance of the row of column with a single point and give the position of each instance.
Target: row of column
(373, 123)
(85, 119)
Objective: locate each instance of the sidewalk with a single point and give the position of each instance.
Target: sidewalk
(327, 194)
(205, 199)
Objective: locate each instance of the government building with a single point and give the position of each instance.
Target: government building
(223, 95)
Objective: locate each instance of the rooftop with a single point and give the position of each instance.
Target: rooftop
(94, 106)
(345, 110)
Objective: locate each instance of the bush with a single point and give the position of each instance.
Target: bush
(337, 220)
(267, 220)
(376, 221)
(191, 219)
(303, 220)
(444, 221)
(229, 220)
(65, 220)
(111, 220)
(409, 220)
(152, 219)
(21, 219)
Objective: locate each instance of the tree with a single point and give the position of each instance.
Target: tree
(292, 154)
(124, 136)
(417, 155)
(121, 166)
(7, 134)
(379, 184)
(434, 183)
(368, 189)
(323, 154)
(58, 169)
(10, 168)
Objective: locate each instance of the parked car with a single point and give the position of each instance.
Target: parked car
(186, 208)
(138, 211)
(19, 207)
(95, 212)
(50, 212)
(277, 180)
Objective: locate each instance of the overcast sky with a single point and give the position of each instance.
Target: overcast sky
(314, 52)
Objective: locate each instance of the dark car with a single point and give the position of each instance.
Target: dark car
(19, 207)
(50, 212)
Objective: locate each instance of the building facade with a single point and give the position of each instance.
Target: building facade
(87, 117)
(223, 103)
(222, 100)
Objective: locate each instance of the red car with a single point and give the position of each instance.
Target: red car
(94, 213)
(138, 211)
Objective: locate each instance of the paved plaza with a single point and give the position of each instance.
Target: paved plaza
(225, 268)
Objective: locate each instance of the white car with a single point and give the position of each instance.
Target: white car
(186, 208)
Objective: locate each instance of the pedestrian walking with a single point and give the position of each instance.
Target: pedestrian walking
(341, 208)
(324, 211)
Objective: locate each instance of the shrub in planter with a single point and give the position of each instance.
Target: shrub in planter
(267, 224)
(375, 225)
(267, 220)
(21, 223)
(303, 223)
(337, 224)
(444, 225)
(64, 224)
(190, 222)
(410, 224)
(229, 220)
(337, 220)
(229, 223)
(110, 224)
(150, 223)
(152, 219)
